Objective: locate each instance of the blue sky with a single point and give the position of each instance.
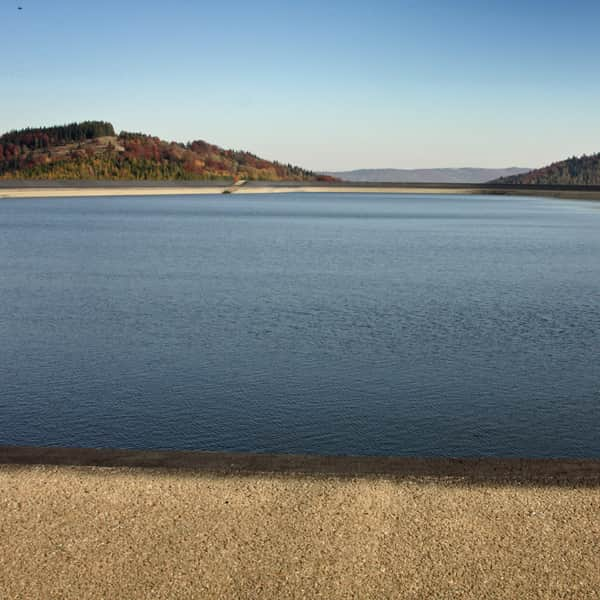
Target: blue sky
(336, 85)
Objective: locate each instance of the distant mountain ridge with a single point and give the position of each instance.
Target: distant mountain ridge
(91, 150)
(583, 170)
(463, 175)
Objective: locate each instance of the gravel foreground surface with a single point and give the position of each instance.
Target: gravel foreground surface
(119, 532)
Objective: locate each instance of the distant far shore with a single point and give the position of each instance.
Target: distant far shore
(55, 189)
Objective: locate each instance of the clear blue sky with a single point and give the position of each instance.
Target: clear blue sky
(327, 85)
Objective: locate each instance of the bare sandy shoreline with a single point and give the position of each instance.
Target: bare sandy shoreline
(229, 530)
(32, 190)
(71, 192)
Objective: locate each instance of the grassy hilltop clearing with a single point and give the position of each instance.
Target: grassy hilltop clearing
(92, 150)
(584, 170)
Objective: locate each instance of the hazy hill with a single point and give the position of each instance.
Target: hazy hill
(584, 170)
(466, 175)
(92, 150)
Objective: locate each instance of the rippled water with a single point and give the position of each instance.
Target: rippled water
(346, 324)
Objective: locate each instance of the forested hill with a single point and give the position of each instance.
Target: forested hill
(93, 151)
(584, 170)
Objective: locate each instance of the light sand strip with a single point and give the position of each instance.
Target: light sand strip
(69, 192)
(255, 188)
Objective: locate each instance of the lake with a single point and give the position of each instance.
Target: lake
(306, 323)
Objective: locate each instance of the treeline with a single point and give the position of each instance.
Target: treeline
(583, 170)
(44, 137)
(76, 152)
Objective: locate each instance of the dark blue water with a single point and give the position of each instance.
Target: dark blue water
(345, 324)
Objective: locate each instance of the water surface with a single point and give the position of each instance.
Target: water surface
(343, 324)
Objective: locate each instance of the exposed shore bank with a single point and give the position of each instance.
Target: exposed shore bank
(540, 471)
(37, 189)
(200, 525)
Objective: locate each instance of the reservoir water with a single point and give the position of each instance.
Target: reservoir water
(321, 323)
